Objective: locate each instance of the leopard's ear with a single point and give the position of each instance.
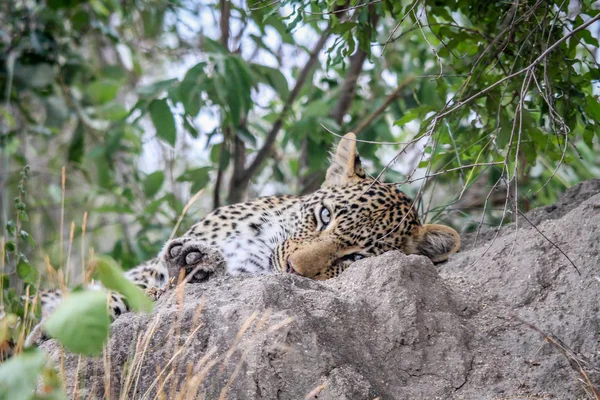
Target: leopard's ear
(345, 167)
(438, 242)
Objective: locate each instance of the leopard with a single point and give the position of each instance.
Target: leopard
(319, 235)
(316, 236)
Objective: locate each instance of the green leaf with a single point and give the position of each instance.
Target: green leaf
(272, 77)
(199, 177)
(19, 375)
(27, 237)
(246, 136)
(156, 88)
(153, 183)
(593, 108)
(219, 154)
(111, 276)
(37, 75)
(102, 90)
(191, 88)
(77, 146)
(212, 46)
(10, 228)
(26, 272)
(163, 120)
(10, 246)
(112, 112)
(410, 115)
(153, 18)
(81, 322)
(189, 126)
(4, 281)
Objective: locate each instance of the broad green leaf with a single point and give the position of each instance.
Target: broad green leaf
(57, 111)
(156, 88)
(111, 276)
(593, 108)
(152, 18)
(19, 375)
(410, 115)
(27, 237)
(274, 78)
(26, 272)
(189, 126)
(153, 183)
(10, 246)
(191, 88)
(246, 136)
(4, 280)
(163, 120)
(199, 177)
(212, 46)
(102, 91)
(77, 146)
(37, 75)
(111, 111)
(219, 154)
(81, 322)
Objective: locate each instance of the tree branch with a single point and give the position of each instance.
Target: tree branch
(224, 22)
(391, 97)
(346, 95)
(272, 135)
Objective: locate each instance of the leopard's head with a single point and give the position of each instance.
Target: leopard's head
(353, 217)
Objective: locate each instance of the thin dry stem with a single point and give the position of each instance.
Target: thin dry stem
(63, 182)
(83, 230)
(67, 266)
(184, 211)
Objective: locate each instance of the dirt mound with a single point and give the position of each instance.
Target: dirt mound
(393, 326)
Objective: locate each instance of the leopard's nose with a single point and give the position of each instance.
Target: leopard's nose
(290, 268)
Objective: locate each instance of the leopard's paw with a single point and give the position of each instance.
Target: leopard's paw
(198, 261)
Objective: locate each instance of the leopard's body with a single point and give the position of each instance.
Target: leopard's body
(317, 236)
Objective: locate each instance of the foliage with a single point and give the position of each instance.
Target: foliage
(112, 278)
(511, 85)
(19, 378)
(17, 313)
(81, 322)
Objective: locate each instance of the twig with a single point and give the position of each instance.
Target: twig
(391, 97)
(427, 176)
(337, 11)
(533, 64)
(575, 362)
(549, 241)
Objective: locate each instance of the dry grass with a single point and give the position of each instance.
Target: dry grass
(181, 379)
(177, 377)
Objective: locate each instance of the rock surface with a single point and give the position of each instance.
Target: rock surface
(393, 326)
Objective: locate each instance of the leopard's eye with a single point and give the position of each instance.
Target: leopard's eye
(352, 257)
(325, 216)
